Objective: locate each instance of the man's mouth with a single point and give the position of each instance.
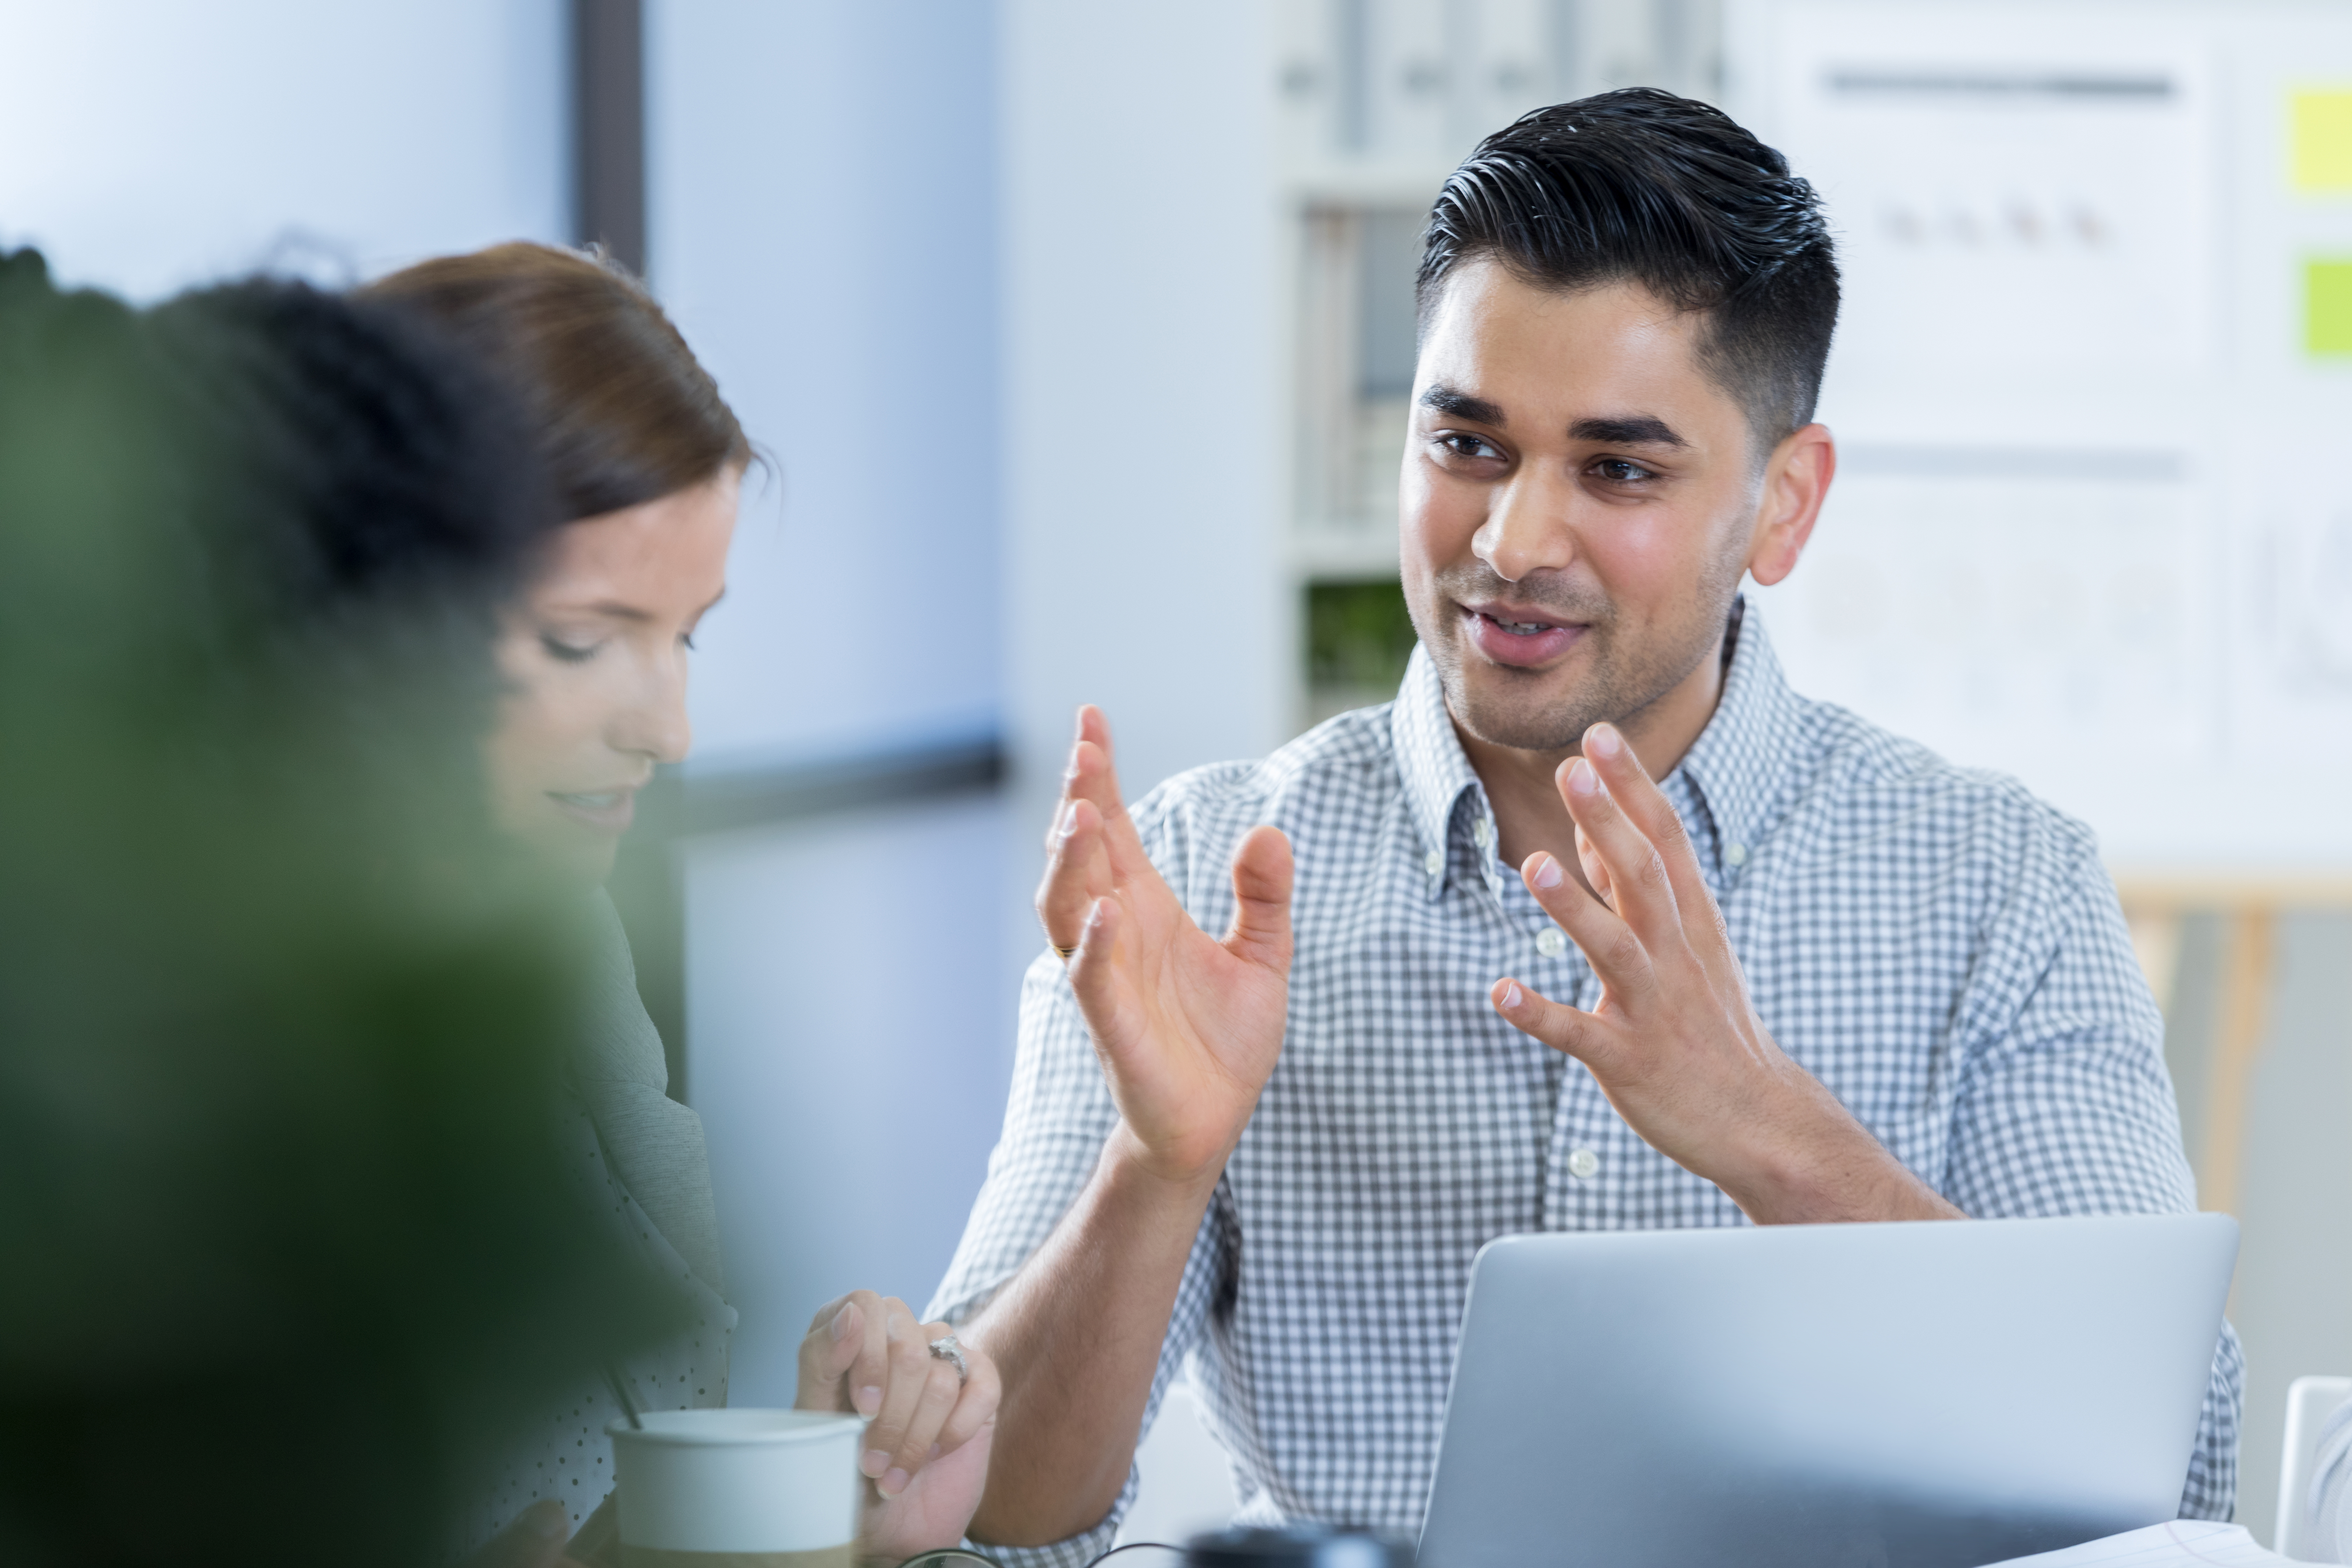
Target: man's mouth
(607, 809)
(1521, 638)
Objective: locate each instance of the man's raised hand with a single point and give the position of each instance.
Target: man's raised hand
(1187, 1027)
(1676, 1044)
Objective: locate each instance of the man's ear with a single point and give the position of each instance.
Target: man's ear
(1796, 481)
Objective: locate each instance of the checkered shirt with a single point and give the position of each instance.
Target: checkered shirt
(1941, 949)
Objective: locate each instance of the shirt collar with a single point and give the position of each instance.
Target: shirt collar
(1431, 762)
(1739, 765)
(1741, 761)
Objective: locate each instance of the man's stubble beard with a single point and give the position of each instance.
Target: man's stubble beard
(1629, 668)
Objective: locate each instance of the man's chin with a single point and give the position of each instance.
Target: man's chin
(1521, 709)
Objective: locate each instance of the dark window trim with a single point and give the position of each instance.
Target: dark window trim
(608, 128)
(648, 879)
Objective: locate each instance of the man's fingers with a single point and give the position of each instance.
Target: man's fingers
(909, 1358)
(1647, 807)
(1639, 890)
(1565, 1029)
(1095, 978)
(1094, 776)
(1077, 872)
(1596, 871)
(1263, 875)
(1607, 943)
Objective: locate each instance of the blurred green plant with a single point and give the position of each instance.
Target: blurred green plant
(289, 1247)
(1358, 635)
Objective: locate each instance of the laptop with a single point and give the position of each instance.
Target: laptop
(1923, 1395)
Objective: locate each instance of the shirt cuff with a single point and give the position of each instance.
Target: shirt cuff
(1075, 1552)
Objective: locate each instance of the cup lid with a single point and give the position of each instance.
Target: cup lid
(720, 1428)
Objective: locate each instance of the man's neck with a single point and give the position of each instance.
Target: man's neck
(1528, 812)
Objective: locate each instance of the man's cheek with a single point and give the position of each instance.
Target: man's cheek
(1438, 522)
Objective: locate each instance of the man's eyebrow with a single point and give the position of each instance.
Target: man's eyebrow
(1462, 406)
(1630, 430)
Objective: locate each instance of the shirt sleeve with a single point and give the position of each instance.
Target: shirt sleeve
(2064, 1106)
(1059, 1112)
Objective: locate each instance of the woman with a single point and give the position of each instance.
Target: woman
(282, 1231)
(648, 463)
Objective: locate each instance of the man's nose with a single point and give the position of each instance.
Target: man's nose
(1527, 527)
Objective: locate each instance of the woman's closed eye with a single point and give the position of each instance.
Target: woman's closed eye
(566, 651)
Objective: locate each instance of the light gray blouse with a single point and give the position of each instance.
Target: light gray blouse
(642, 1156)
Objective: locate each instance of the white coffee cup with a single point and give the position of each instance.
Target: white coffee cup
(739, 1489)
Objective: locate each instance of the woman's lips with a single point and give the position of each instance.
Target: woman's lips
(1521, 644)
(607, 811)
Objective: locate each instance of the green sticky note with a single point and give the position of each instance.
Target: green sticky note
(2322, 141)
(2327, 307)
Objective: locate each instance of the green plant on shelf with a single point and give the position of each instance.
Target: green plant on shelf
(1358, 635)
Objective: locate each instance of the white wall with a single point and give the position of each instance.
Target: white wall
(150, 144)
(821, 224)
(1145, 400)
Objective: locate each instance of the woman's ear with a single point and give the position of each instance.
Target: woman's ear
(1796, 481)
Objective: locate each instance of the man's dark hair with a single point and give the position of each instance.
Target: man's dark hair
(1641, 186)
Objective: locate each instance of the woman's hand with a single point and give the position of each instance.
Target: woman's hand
(926, 1454)
(535, 1539)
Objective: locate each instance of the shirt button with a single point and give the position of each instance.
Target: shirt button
(1582, 1163)
(1735, 854)
(1551, 942)
(1480, 833)
(1434, 863)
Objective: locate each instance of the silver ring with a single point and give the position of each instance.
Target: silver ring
(945, 1349)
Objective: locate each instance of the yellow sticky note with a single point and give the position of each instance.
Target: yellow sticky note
(2322, 141)
(2327, 307)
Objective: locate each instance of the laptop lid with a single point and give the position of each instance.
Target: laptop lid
(1918, 1396)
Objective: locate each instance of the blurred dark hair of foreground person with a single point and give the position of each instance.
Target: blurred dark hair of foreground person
(284, 1241)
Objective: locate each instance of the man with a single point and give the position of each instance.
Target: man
(1812, 974)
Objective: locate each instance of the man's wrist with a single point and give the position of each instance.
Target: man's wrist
(1133, 1166)
(1832, 1171)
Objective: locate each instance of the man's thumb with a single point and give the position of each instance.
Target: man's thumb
(1263, 873)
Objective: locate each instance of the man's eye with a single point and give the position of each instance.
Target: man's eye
(1618, 472)
(1463, 446)
(569, 653)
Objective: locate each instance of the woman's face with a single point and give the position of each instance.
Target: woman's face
(594, 659)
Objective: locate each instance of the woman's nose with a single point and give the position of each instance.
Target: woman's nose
(657, 724)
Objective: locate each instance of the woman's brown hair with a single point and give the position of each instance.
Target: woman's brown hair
(622, 412)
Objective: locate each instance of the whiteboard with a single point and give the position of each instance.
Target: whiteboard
(2093, 524)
